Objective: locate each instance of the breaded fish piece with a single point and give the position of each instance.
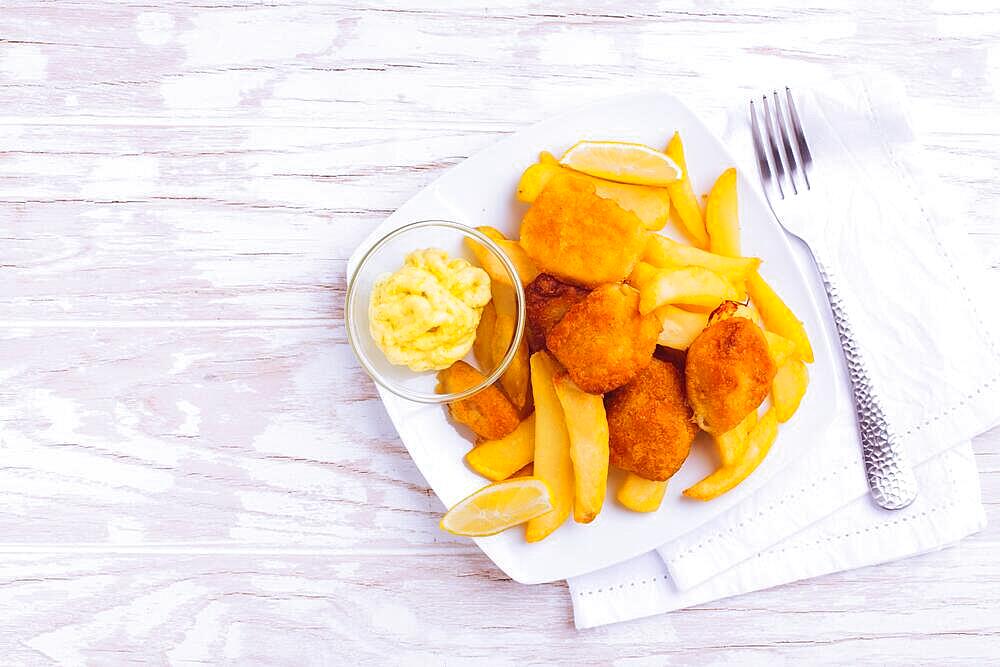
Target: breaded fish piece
(489, 413)
(650, 423)
(579, 237)
(728, 373)
(546, 301)
(603, 340)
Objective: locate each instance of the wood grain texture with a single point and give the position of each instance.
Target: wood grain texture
(192, 466)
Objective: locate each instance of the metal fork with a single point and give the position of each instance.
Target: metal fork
(788, 178)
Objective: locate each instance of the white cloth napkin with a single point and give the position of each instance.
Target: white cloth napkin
(919, 299)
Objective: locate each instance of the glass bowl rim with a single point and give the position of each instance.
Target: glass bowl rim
(519, 324)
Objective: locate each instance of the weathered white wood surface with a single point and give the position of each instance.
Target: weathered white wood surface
(192, 466)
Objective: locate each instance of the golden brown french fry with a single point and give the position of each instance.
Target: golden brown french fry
(499, 459)
(587, 425)
(526, 471)
(682, 195)
(689, 285)
(482, 346)
(640, 494)
(516, 380)
(680, 327)
(733, 309)
(546, 157)
(727, 477)
(552, 460)
(732, 443)
(642, 274)
(535, 178)
(781, 348)
(722, 216)
(526, 269)
(664, 252)
(778, 317)
(788, 388)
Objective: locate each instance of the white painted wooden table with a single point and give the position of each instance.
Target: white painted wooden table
(193, 467)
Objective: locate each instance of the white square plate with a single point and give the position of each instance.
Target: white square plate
(480, 191)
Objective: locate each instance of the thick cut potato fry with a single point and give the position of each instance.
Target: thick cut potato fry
(640, 494)
(732, 443)
(722, 216)
(680, 327)
(499, 459)
(526, 471)
(727, 477)
(781, 348)
(642, 274)
(778, 317)
(526, 269)
(482, 346)
(545, 157)
(553, 464)
(788, 388)
(690, 285)
(664, 252)
(730, 309)
(683, 197)
(587, 425)
(516, 380)
(534, 179)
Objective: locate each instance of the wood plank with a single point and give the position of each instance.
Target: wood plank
(944, 608)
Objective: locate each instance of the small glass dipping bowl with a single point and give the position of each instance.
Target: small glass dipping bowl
(387, 256)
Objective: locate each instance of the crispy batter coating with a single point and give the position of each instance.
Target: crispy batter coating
(547, 299)
(489, 413)
(728, 373)
(579, 237)
(603, 341)
(650, 422)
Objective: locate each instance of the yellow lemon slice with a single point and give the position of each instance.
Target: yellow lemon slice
(497, 507)
(622, 162)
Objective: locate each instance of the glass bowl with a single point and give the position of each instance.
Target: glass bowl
(386, 256)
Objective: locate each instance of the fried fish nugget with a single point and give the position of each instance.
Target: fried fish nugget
(579, 237)
(650, 424)
(728, 373)
(546, 300)
(603, 340)
(489, 413)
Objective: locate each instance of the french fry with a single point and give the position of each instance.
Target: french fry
(482, 346)
(516, 380)
(680, 327)
(501, 458)
(664, 252)
(734, 309)
(546, 157)
(535, 178)
(781, 348)
(526, 269)
(722, 216)
(683, 198)
(778, 317)
(689, 285)
(727, 477)
(788, 388)
(732, 443)
(642, 274)
(552, 459)
(640, 494)
(526, 471)
(587, 425)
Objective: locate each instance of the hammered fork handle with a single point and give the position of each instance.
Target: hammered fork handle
(890, 476)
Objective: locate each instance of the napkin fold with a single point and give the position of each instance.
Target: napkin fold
(918, 297)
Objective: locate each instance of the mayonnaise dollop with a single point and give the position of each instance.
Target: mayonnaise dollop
(424, 316)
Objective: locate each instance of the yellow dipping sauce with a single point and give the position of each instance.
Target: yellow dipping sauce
(425, 315)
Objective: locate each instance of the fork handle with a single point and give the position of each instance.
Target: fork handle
(890, 476)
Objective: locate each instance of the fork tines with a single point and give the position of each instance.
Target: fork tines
(782, 164)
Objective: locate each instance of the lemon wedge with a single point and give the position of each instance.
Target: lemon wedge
(622, 162)
(497, 507)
